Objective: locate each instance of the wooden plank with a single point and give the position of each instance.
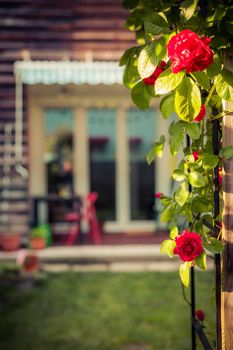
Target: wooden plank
(82, 34)
(67, 13)
(91, 45)
(227, 232)
(112, 23)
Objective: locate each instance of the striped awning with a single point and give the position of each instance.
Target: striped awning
(66, 72)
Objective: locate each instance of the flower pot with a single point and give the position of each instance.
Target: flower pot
(37, 243)
(10, 241)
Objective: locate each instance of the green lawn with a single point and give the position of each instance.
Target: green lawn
(104, 311)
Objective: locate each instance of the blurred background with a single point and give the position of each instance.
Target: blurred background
(79, 223)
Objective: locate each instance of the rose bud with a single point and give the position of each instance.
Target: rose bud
(200, 315)
(158, 195)
(195, 155)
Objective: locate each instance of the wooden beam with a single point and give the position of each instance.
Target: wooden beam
(227, 232)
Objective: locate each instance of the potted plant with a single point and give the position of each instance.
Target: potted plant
(38, 238)
(10, 239)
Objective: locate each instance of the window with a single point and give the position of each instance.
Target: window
(58, 156)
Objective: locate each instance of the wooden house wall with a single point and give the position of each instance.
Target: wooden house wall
(49, 30)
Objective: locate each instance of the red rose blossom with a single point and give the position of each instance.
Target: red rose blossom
(188, 51)
(188, 245)
(195, 155)
(158, 195)
(154, 76)
(201, 114)
(200, 315)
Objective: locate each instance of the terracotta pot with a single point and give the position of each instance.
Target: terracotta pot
(10, 241)
(37, 243)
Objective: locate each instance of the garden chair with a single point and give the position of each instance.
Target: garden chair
(88, 214)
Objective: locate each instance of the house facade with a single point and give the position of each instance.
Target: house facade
(68, 125)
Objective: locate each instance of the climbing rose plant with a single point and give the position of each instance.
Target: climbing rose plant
(179, 59)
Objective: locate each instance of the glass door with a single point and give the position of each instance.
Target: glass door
(141, 136)
(102, 154)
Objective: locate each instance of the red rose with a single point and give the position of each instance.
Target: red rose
(154, 76)
(200, 315)
(188, 245)
(201, 114)
(195, 155)
(188, 51)
(158, 195)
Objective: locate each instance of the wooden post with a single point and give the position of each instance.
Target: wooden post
(227, 231)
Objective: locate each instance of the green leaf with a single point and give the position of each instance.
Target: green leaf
(202, 79)
(167, 106)
(201, 261)
(156, 150)
(214, 245)
(184, 273)
(130, 4)
(210, 161)
(167, 81)
(187, 212)
(182, 194)
(179, 175)
(167, 214)
(167, 247)
(160, 48)
(188, 8)
(187, 100)
(226, 152)
(155, 24)
(214, 68)
(140, 37)
(140, 95)
(177, 127)
(173, 232)
(196, 179)
(193, 130)
(176, 141)
(198, 226)
(219, 41)
(147, 61)
(215, 102)
(220, 12)
(151, 90)
(131, 76)
(200, 204)
(134, 22)
(127, 55)
(224, 85)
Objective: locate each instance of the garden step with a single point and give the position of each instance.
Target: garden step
(102, 256)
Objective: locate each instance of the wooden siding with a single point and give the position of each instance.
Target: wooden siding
(49, 30)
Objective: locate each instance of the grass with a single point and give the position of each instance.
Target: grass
(102, 311)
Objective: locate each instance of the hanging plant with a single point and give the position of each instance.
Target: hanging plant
(180, 59)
